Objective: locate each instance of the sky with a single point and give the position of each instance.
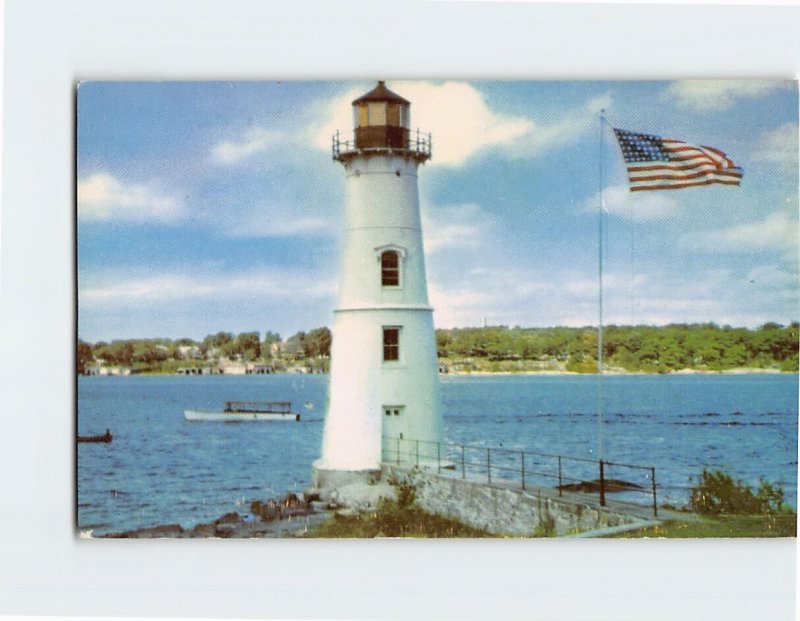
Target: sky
(216, 206)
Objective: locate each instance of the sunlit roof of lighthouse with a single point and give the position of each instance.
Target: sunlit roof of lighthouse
(380, 93)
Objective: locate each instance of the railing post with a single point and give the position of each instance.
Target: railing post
(398, 450)
(417, 452)
(560, 484)
(602, 484)
(463, 463)
(489, 463)
(438, 458)
(653, 478)
(522, 453)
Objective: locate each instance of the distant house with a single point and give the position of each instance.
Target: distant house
(294, 349)
(229, 367)
(189, 352)
(275, 349)
(199, 371)
(101, 369)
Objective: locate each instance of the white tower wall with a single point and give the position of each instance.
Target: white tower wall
(382, 213)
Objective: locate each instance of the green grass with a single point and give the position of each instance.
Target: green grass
(723, 526)
(393, 520)
(390, 520)
(720, 508)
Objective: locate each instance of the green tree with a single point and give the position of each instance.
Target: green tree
(84, 356)
(318, 343)
(221, 344)
(148, 352)
(117, 352)
(219, 339)
(270, 338)
(296, 346)
(444, 340)
(247, 345)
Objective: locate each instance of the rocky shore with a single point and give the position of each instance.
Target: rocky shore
(290, 516)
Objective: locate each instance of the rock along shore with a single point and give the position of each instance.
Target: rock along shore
(290, 516)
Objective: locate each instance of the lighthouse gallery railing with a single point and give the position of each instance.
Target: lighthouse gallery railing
(418, 143)
(527, 469)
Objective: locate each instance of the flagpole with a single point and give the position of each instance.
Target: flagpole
(601, 206)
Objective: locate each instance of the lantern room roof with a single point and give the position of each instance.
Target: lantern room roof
(381, 93)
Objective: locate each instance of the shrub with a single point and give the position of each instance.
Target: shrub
(406, 494)
(717, 493)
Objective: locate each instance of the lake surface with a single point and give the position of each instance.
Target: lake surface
(161, 469)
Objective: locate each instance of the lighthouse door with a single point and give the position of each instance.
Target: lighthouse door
(395, 444)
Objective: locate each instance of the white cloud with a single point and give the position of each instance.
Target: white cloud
(454, 226)
(778, 232)
(338, 113)
(716, 95)
(285, 226)
(779, 146)
(772, 276)
(256, 140)
(639, 206)
(458, 306)
(463, 123)
(514, 296)
(162, 288)
(103, 197)
(566, 129)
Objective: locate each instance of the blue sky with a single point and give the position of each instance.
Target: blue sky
(207, 206)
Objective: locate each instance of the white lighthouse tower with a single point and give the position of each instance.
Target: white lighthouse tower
(384, 386)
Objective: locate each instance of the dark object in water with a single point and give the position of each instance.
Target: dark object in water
(610, 485)
(106, 437)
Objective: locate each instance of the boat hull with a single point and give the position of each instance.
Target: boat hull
(239, 417)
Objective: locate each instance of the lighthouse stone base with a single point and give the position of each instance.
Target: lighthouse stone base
(358, 489)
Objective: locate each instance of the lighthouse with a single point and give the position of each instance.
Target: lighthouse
(384, 401)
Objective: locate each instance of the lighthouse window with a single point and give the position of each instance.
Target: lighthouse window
(390, 269)
(404, 121)
(394, 114)
(391, 344)
(361, 120)
(377, 112)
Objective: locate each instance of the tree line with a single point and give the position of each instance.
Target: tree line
(647, 349)
(164, 354)
(633, 348)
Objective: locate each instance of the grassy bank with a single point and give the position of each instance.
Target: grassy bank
(727, 526)
(720, 507)
(391, 519)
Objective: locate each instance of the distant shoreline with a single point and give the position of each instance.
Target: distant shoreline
(739, 371)
(551, 372)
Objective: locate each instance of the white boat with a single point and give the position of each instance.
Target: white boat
(242, 411)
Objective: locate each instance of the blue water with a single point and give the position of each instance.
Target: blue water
(161, 469)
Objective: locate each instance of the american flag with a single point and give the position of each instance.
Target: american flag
(656, 163)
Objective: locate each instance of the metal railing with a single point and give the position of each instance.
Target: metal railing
(504, 467)
(419, 144)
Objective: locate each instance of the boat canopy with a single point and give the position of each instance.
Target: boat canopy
(281, 407)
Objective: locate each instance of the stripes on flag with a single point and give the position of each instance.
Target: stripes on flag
(656, 163)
